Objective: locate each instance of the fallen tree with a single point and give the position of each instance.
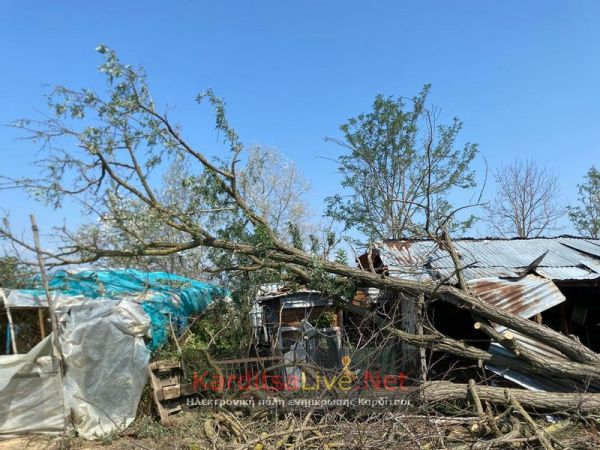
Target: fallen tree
(557, 402)
(106, 151)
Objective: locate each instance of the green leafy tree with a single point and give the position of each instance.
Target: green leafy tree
(586, 216)
(270, 182)
(13, 274)
(400, 168)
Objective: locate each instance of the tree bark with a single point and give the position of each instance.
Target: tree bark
(443, 391)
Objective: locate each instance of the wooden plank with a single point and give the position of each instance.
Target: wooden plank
(173, 410)
(171, 392)
(165, 365)
(244, 360)
(162, 412)
(169, 381)
(187, 389)
(41, 323)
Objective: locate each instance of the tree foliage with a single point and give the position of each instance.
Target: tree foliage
(269, 182)
(401, 167)
(274, 186)
(13, 274)
(586, 216)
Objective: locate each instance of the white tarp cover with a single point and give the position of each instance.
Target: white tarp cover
(23, 299)
(31, 397)
(106, 360)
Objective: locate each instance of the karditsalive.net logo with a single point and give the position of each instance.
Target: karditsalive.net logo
(345, 380)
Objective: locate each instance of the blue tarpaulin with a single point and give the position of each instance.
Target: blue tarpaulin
(163, 296)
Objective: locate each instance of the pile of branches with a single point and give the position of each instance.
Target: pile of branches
(471, 424)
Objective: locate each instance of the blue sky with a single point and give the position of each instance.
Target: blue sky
(523, 76)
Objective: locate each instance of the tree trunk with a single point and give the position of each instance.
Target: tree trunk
(442, 391)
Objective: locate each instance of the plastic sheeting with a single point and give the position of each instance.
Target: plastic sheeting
(31, 394)
(164, 296)
(106, 360)
(103, 316)
(297, 353)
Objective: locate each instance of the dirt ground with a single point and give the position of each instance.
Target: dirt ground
(14, 444)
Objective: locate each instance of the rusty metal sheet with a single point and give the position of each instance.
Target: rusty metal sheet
(525, 298)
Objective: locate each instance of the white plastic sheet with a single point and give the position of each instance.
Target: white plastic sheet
(106, 361)
(31, 395)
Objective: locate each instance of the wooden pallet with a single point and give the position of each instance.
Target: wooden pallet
(166, 378)
(172, 394)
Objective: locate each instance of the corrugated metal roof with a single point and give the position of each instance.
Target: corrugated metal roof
(525, 298)
(567, 273)
(470, 273)
(306, 302)
(589, 246)
(271, 289)
(575, 258)
(530, 381)
(541, 383)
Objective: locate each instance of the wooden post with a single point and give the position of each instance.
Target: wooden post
(411, 354)
(538, 318)
(53, 319)
(41, 323)
(11, 326)
(44, 275)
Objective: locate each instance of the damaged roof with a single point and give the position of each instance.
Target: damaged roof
(292, 297)
(566, 258)
(526, 297)
(515, 275)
